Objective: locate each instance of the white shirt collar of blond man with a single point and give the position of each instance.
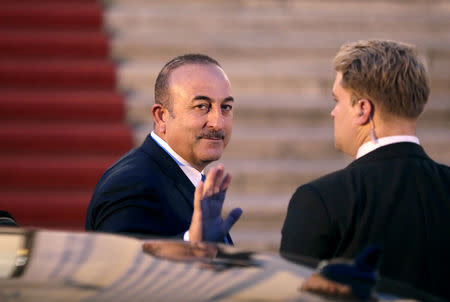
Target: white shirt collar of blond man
(383, 141)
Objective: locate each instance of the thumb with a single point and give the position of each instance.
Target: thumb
(234, 215)
(195, 229)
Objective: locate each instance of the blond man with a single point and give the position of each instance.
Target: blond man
(392, 195)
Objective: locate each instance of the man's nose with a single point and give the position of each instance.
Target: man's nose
(215, 118)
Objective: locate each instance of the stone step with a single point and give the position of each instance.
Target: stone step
(258, 3)
(257, 239)
(305, 142)
(293, 76)
(299, 110)
(414, 16)
(314, 110)
(269, 205)
(282, 143)
(277, 175)
(260, 224)
(261, 41)
(263, 215)
(313, 143)
(284, 175)
(162, 44)
(235, 28)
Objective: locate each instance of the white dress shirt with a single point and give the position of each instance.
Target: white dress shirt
(371, 146)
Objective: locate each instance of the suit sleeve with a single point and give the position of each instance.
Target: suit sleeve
(307, 227)
(131, 208)
(131, 216)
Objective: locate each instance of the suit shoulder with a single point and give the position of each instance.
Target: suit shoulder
(444, 168)
(320, 188)
(328, 189)
(131, 169)
(324, 181)
(443, 173)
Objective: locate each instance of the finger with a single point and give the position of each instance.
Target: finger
(209, 182)
(234, 215)
(225, 182)
(198, 196)
(218, 179)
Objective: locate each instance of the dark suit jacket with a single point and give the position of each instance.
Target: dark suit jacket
(395, 197)
(145, 192)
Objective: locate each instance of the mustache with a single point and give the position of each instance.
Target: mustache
(212, 134)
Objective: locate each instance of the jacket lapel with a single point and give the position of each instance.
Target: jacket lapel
(170, 168)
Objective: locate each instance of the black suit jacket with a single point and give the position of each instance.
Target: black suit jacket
(395, 197)
(145, 192)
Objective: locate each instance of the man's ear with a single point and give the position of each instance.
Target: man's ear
(364, 110)
(160, 115)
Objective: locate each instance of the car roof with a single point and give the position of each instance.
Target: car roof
(43, 265)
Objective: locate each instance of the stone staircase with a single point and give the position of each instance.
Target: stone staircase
(277, 55)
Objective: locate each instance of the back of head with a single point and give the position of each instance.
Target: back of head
(162, 95)
(388, 73)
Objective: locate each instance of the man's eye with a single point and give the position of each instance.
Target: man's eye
(227, 107)
(202, 106)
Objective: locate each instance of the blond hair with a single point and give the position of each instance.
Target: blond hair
(388, 73)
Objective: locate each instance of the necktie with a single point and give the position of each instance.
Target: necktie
(203, 177)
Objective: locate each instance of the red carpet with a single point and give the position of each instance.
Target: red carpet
(48, 43)
(35, 208)
(62, 122)
(100, 106)
(32, 172)
(51, 14)
(64, 139)
(56, 74)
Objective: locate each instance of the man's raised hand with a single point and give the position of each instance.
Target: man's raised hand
(207, 223)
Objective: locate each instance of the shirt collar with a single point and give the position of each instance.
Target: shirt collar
(193, 174)
(371, 146)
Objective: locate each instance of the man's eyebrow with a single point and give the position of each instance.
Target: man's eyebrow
(201, 97)
(206, 98)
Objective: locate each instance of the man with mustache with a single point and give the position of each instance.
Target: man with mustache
(150, 190)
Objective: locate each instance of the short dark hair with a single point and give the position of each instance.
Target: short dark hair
(388, 73)
(162, 95)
